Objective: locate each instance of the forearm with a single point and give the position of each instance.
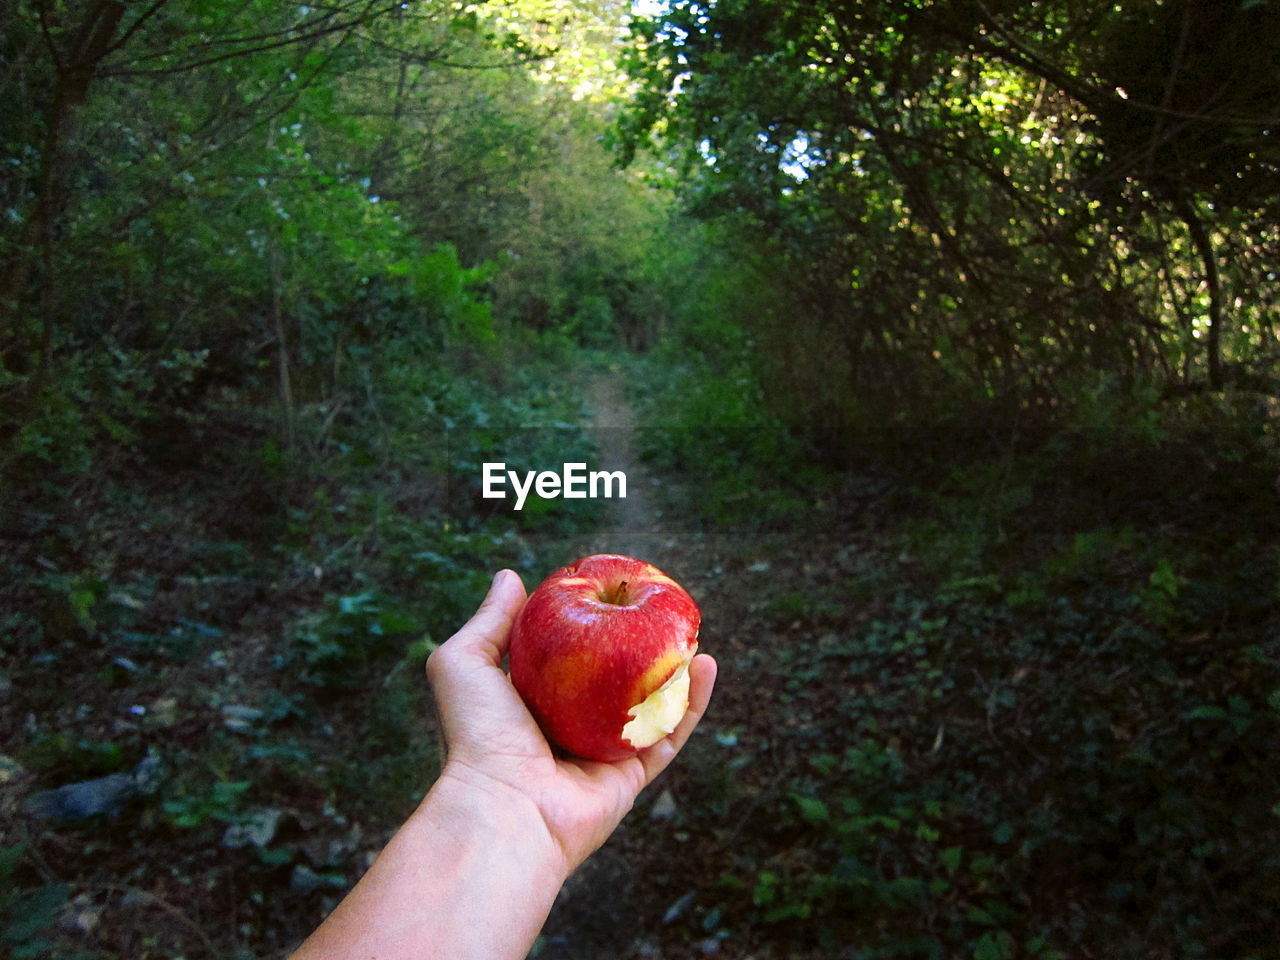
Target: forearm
(472, 874)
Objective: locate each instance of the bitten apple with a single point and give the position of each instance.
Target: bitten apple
(601, 652)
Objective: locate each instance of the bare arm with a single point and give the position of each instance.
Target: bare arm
(474, 871)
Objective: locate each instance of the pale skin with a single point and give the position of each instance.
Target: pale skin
(474, 871)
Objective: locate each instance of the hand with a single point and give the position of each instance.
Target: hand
(472, 874)
(493, 745)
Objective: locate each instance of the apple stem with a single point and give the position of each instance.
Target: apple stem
(622, 593)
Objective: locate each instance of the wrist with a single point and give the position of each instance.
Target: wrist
(478, 805)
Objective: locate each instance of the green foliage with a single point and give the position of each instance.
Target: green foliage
(221, 802)
(1063, 747)
(728, 450)
(1053, 702)
(208, 258)
(439, 279)
(27, 916)
(351, 628)
(63, 757)
(965, 231)
(1159, 601)
(705, 423)
(973, 517)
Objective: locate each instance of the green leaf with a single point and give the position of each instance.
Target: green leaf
(1166, 579)
(765, 889)
(230, 791)
(274, 857)
(35, 912)
(993, 945)
(812, 809)
(358, 603)
(1207, 711)
(907, 889)
(82, 602)
(951, 858)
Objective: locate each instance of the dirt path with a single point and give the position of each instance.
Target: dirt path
(602, 911)
(621, 903)
(638, 526)
(655, 885)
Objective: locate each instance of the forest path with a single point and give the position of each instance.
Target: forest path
(632, 899)
(636, 898)
(588, 923)
(637, 527)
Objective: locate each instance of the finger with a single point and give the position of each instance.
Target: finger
(702, 680)
(464, 671)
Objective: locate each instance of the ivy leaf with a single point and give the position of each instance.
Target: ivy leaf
(812, 809)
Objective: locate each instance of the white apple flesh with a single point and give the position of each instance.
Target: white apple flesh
(658, 714)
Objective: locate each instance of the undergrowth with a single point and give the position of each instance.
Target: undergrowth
(1035, 718)
(702, 419)
(248, 624)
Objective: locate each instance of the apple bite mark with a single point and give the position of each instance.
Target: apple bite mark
(658, 714)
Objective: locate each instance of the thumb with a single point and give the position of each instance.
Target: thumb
(486, 633)
(464, 669)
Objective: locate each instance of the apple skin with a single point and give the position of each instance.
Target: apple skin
(595, 639)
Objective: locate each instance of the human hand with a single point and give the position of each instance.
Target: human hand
(494, 746)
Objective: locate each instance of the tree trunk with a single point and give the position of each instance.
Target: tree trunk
(275, 257)
(74, 74)
(1208, 257)
(282, 347)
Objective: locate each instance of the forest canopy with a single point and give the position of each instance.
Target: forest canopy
(206, 196)
(1028, 202)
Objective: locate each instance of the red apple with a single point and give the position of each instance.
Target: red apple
(600, 654)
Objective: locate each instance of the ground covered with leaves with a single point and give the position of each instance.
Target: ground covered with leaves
(213, 710)
(1018, 703)
(980, 706)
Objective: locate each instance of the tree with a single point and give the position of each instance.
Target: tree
(970, 200)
